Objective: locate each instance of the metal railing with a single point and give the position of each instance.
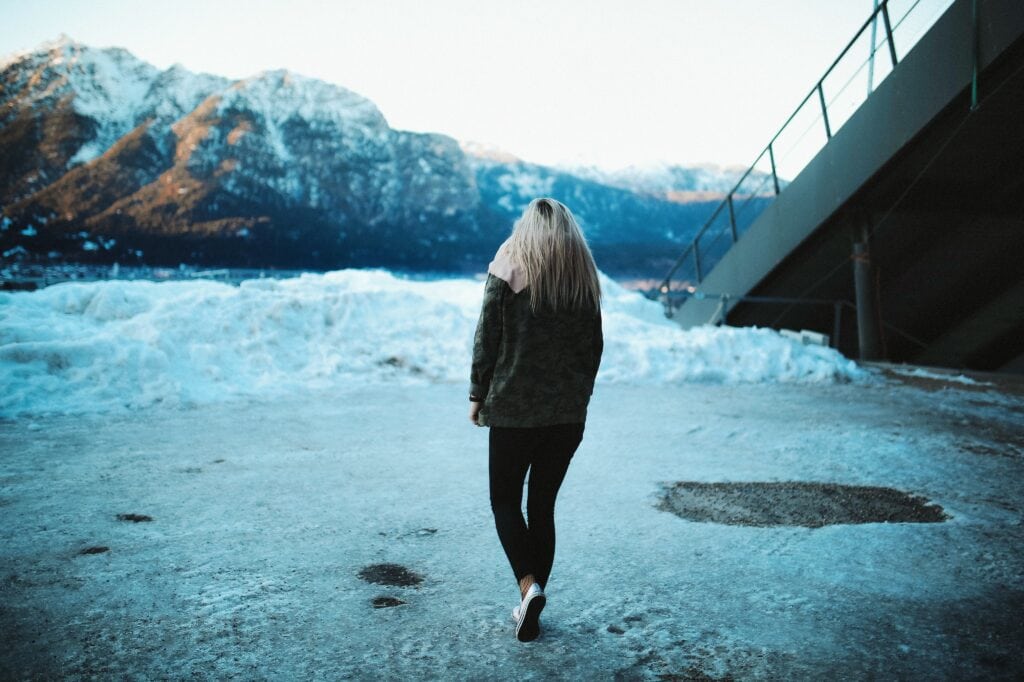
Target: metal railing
(792, 147)
(721, 314)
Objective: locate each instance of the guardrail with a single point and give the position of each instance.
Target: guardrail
(720, 316)
(790, 149)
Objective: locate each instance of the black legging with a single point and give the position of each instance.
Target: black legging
(546, 451)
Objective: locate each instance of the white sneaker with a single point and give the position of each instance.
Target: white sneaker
(515, 613)
(528, 620)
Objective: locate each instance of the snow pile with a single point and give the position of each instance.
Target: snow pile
(97, 346)
(641, 346)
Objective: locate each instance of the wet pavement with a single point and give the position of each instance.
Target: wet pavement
(816, 531)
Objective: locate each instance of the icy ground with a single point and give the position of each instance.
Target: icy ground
(264, 511)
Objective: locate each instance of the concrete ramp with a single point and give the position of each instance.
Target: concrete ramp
(928, 173)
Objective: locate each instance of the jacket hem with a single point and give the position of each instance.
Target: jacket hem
(525, 422)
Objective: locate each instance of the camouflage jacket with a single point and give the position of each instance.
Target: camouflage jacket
(531, 369)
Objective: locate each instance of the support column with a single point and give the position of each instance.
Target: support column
(867, 314)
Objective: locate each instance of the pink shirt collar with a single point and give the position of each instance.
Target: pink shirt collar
(505, 268)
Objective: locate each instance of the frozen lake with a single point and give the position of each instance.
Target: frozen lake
(264, 510)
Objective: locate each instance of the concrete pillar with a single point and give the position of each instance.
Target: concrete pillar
(867, 313)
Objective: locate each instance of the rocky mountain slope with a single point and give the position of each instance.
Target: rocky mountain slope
(106, 158)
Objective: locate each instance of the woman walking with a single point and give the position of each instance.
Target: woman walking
(536, 352)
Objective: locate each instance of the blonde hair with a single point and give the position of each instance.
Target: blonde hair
(549, 245)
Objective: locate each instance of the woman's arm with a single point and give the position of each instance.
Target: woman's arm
(487, 339)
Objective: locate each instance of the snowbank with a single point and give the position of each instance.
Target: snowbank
(98, 346)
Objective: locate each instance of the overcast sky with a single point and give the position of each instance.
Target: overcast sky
(608, 82)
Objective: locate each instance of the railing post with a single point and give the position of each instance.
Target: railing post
(871, 50)
(824, 111)
(666, 293)
(888, 32)
(732, 218)
(696, 261)
(837, 316)
(974, 55)
(724, 307)
(775, 176)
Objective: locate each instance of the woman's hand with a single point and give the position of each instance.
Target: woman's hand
(474, 412)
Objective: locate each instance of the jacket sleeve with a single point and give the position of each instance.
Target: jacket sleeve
(487, 339)
(598, 343)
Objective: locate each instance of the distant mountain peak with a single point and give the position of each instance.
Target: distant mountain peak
(280, 94)
(64, 39)
(45, 50)
(479, 150)
(676, 182)
(283, 75)
(61, 42)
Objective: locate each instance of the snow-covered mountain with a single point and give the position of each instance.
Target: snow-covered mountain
(507, 185)
(104, 92)
(107, 158)
(677, 183)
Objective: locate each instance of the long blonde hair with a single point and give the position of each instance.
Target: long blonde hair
(549, 245)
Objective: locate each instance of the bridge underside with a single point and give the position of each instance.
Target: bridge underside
(946, 223)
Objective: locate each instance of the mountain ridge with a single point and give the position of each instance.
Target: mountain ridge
(277, 169)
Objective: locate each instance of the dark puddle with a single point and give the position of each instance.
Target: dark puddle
(390, 574)
(386, 602)
(794, 503)
(134, 518)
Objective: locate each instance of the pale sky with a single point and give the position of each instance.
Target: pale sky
(608, 82)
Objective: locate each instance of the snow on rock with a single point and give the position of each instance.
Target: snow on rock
(280, 95)
(660, 176)
(112, 87)
(112, 345)
(664, 179)
(525, 182)
(175, 92)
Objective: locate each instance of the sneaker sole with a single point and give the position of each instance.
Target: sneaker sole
(528, 627)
